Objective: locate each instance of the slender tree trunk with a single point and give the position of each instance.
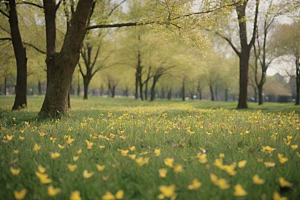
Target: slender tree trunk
(61, 66)
(152, 90)
(146, 90)
(183, 89)
(21, 59)
(136, 85)
(39, 88)
(86, 82)
(260, 96)
(141, 88)
(170, 93)
(5, 86)
(212, 97)
(113, 89)
(297, 102)
(226, 94)
(255, 93)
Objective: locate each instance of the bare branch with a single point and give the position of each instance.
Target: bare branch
(80, 69)
(112, 10)
(4, 30)
(230, 43)
(4, 39)
(57, 5)
(255, 24)
(32, 4)
(6, 15)
(37, 49)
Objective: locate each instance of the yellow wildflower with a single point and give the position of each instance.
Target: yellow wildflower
(157, 152)
(9, 137)
(54, 155)
(72, 167)
(20, 194)
(284, 183)
(178, 168)
(162, 172)
(86, 174)
(281, 158)
(41, 169)
(53, 191)
(269, 164)
(169, 162)
(124, 152)
(167, 191)
(75, 158)
(242, 163)
(75, 195)
(195, 185)
(294, 146)
(101, 147)
(120, 194)
(43, 178)
(16, 151)
(21, 138)
(61, 146)
(70, 140)
(258, 180)
(276, 196)
(89, 144)
(100, 168)
(36, 147)
(132, 148)
(108, 196)
(268, 149)
(239, 191)
(132, 156)
(15, 172)
(79, 151)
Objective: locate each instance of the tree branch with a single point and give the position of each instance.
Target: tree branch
(80, 69)
(32, 4)
(255, 24)
(6, 15)
(37, 49)
(230, 43)
(57, 5)
(112, 10)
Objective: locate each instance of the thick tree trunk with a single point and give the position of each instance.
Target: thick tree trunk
(21, 59)
(212, 97)
(61, 66)
(260, 96)
(243, 90)
(39, 88)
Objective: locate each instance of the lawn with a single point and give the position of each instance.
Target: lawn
(128, 149)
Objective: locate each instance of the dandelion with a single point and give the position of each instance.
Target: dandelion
(162, 172)
(169, 162)
(72, 167)
(157, 152)
(167, 191)
(195, 185)
(53, 191)
(108, 196)
(258, 180)
(36, 147)
(15, 172)
(20, 194)
(41, 169)
(100, 168)
(239, 191)
(54, 155)
(75, 195)
(242, 164)
(86, 174)
(178, 168)
(284, 183)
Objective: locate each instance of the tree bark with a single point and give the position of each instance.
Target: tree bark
(152, 91)
(86, 82)
(39, 88)
(61, 66)
(21, 59)
(211, 89)
(260, 96)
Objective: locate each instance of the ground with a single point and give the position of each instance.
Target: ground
(127, 149)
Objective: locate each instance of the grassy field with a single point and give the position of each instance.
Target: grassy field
(128, 149)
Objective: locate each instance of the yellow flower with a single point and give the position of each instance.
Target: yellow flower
(169, 162)
(258, 180)
(162, 172)
(108, 196)
(36, 147)
(282, 159)
(69, 141)
(289, 137)
(284, 183)
(276, 196)
(15, 172)
(141, 161)
(16, 151)
(61, 147)
(120, 194)
(86, 174)
(269, 164)
(21, 138)
(124, 152)
(157, 152)
(239, 191)
(167, 191)
(75, 158)
(100, 168)
(195, 185)
(53, 191)
(89, 144)
(161, 196)
(219, 163)
(43, 178)
(230, 169)
(178, 168)
(213, 178)
(79, 151)
(101, 147)
(72, 167)
(298, 154)
(54, 155)
(268, 149)
(41, 169)
(221, 183)
(208, 133)
(9, 137)
(294, 146)
(20, 194)
(221, 155)
(132, 148)
(242, 163)
(132, 156)
(75, 195)
(202, 158)
(105, 178)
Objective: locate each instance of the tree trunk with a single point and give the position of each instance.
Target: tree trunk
(226, 94)
(136, 85)
(260, 96)
(216, 92)
(243, 91)
(21, 59)
(5, 86)
(146, 90)
(152, 90)
(86, 82)
(162, 94)
(39, 88)
(61, 66)
(212, 97)
(170, 93)
(141, 87)
(183, 89)
(297, 102)
(113, 89)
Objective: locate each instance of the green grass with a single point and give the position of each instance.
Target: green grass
(180, 130)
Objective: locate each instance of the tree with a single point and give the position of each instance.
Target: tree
(245, 48)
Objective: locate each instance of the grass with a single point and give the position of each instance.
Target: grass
(204, 139)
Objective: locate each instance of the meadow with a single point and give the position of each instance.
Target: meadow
(127, 149)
